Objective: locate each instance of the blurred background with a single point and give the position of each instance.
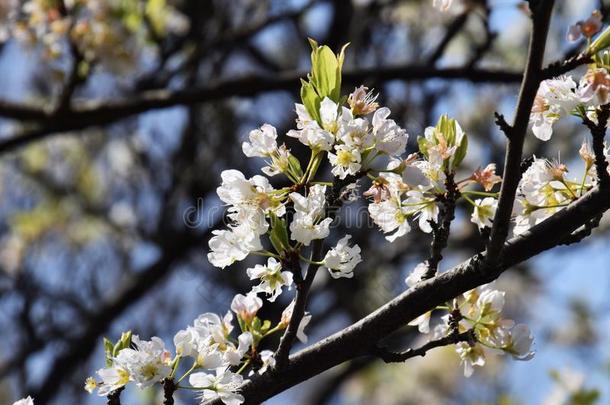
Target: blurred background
(104, 220)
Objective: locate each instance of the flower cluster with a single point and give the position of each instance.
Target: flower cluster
(545, 189)
(287, 222)
(212, 345)
(103, 31)
(480, 312)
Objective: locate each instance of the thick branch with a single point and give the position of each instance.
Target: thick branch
(104, 112)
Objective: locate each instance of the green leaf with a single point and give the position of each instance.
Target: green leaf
(311, 100)
(602, 42)
(265, 326)
(325, 72)
(422, 142)
(279, 234)
(295, 166)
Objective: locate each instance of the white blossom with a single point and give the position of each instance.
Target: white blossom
(268, 360)
(484, 211)
(25, 401)
(113, 378)
(262, 142)
(287, 315)
(416, 275)
(309, 132)
(442, 5)
(307, 223)
(555, 97)
(345, 162)
(389, 137)
(422, 322)
(422, 207)
(147, 364)
(390, 216)
(231, 245)
(471, 356)
(224, 385)
(272, 278)
(520, 343)
(342, 259)
(246, 306)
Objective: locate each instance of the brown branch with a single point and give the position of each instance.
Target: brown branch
(300, 305)
(169, 387)
(104, 112)
(441, 230)
(114, 398)
(529, 87)
(452, 338)
(333, 203)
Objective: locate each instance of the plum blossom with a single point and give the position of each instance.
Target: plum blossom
(345, 162)
(595, 86)
(246, 306)
(470, 356)
(272, 278)
(555, 97)
(422, 207)
(249, 199)
(231, 245)
(416, 275)
(486, 177)
(389, 137)
(390, 216)
(147, 364)
(484, 211)
(268, 360)
(307, 223)
(224, 385)
(362, 101)
(287, 315)
(520, 342)
(442, 5)
(342, 259)
(310, 133)
(262, 142)
(112, 378)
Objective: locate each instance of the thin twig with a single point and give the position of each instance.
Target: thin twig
(453, 338)
(441, 230)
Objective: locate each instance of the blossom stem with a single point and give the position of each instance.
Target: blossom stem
(306, 260)
(265, 253)
(243, 367)
(469, 200)
(189, 371)
(480, 193)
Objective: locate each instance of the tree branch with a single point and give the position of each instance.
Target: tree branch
(452, 338)
(105, 112)
(529, 87)
(441, 230)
